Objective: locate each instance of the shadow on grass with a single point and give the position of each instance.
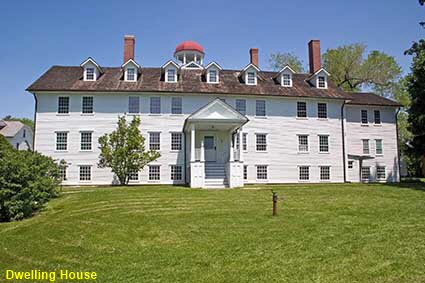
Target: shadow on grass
(412, 183)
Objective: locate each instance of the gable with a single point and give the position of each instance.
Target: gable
(217, 110)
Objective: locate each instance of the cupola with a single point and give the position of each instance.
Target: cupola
(189, 51)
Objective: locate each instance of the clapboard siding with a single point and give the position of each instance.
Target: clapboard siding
(280, 125)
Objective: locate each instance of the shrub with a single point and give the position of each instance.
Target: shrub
(27, 181)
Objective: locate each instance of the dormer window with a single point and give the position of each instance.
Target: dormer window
(131, 74)
(321, 82)
(212, 73)
(171, 75)
(90, 74)
(212, 76)
(251, 78)
(286, 80)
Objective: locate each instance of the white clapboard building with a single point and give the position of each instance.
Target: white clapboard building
(216, 127)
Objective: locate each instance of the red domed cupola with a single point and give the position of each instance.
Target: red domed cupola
(189, 51)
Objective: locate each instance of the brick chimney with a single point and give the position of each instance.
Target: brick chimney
(129, 42)
(253, 52)
(314, 55)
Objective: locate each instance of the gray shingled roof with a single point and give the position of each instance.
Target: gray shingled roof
(11, 128)
(63, 78)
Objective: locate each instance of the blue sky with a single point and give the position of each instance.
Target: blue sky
(38, 34)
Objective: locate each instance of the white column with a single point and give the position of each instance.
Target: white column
(231, 158)
(195, 59)
(240, 145)
(184, 58)
(192, 143)
(202, 150)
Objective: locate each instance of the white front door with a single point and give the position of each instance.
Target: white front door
(210, 148)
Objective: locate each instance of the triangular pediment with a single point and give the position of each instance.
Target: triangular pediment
(217, 110)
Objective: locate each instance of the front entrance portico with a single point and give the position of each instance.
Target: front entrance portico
(215, 161)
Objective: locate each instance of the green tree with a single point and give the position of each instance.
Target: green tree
(26, 121)
(279, 60)
(351, 71)
(123, 150)
(416, 110)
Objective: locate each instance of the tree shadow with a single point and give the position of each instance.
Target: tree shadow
(412, 183)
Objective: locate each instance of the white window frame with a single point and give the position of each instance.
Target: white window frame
(127, 74)
(320, 145)
(59, 105)
(329, 173)
(361, 117)
(173, 145)
(245, 173)
(86, 143)
(257, 167)
(299, 143)
(376, 147)
(133, 107)
(150, 105)
(318, 110)
(325, 82)
(245, 142)
(366, 146)
(167, 77)
(63, 173)
(350, 164)
(90, 173)
(86, 74)
(298, 111)
(286, 82)
(308, 172)
(63, 143)
(247, 77)
(257, 102)
(154, 144)
(257, 140)
(174, 173)
(238, 104)
(378, 177)
(175, 107)
(361, 174)
(150, 174)
(134, 176)
(216, 76)
(83, 98)
(374, 117)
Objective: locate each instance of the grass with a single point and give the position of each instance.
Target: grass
(323, 233)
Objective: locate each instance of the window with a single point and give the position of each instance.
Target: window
(171, 75)
(251, 78)
(87, 104)
(155, 105)
(245, 172)
(260, 108)
(134, 176)
(85, 173)
(176, 172)
(321, 82)
(24, 133)
(261, 142)
(90, 74)
(378, 147)
(241, 106)
(365, 146)
(364, 117)
(245, 141)
(303, 143)
(325, 173)
(133, 104)
(286, 80)
(323, 143)
(154, 140)
(63, 105)
(61, 140)
(304, 173)
(262, 172)
(154, 173)
(62, 173)
(176, 141)
(131, 74)
(377, 116)
(380, 172)
(212, 76)
(301, 109)
(322, 111)
(176, 105)
(350, 164)
(85, 142)
(365, 174)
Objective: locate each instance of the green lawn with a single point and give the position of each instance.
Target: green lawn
(323, 233)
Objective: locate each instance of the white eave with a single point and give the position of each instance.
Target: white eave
(91, 60)
(213, 64)
(287, 67)
(170, 62)
(250, 65)
(131, 61)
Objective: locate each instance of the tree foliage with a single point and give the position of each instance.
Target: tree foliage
(279, 60)
(28, 180)
(123, 150)
(416, 89)
(25, 121)
(351, 70)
